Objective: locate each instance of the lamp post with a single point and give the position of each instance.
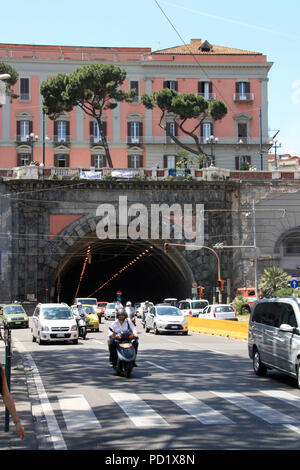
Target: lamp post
(212, 140)
(276, 145)
(31, 139)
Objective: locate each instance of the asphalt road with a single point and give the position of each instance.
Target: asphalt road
(188, 392)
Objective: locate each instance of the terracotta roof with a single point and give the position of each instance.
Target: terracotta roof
(195, 48)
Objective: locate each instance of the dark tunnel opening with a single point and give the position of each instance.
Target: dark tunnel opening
(139, 269)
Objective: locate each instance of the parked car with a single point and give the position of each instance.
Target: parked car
(166, 318)
(192, 308)
(219, 312)
(53, 322)
(93, 323)
(110, 312)
(13, 316)
(274, 336)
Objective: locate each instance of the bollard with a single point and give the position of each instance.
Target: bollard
(7, 368)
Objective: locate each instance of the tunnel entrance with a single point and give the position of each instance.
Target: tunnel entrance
(138, 268)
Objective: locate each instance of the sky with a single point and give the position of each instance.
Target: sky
(269, 27)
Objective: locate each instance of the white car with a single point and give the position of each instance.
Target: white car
(192, 308)
(219, 312)
(110, 311)
(165, 318)
(53, 322)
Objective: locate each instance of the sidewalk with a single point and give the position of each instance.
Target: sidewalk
(10, 440)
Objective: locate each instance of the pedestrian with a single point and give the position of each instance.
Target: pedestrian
(10, 404)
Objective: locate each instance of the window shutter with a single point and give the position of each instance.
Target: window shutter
(201, 87)
(55, 160)
(91, 128)
(237, 87)
(18, 128)
(237, 163)
(242, 129)
(129, 161)
(30, 127)
(104, 128)
(210, 87)
(104, 161)
(176, 86)
(165, 161)
(92, 159)
(129, 131)
(165, 84)
(248, 87)
(67, 128)
(55, 128)
(67, 160)
(24, 85)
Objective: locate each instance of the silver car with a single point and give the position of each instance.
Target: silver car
(274, 336)
(165, 318)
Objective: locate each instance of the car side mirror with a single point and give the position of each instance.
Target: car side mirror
(286, 328)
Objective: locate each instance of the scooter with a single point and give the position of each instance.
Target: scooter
(82, 327)
(126, 354)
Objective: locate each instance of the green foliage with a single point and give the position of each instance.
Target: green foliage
(239, 305)
(185, 107)
(288, 291)
(273, 280)
(6, 68)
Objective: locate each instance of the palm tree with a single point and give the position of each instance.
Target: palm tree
(272, 280)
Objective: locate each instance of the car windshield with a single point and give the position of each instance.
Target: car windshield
(110, 306)
(13, 309)
(102, 304)
(57, 314)
(226, 308)
(88, 309)
(169, 311)
(199, 304)
(88, 301)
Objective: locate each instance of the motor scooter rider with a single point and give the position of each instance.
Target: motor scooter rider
(146, 308)
(118, 306)
(119, 326)
(130, 311)
(81, 313)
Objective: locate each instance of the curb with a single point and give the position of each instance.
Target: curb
(230, 329)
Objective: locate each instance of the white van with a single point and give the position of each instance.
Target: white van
(53, 322)
(88, 301)
(274, 336)
(192, 308)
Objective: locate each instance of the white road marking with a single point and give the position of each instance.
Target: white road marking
(256, 408)
(292, 428)
(78, 413)
(54, 430)
(173, 341)
(140, 413)
(285, 396)
(97, 341)
(156, 365)
(196, 408)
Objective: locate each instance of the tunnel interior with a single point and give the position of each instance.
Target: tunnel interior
(141, 270)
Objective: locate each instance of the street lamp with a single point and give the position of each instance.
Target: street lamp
(31, 139)
(274, 143)
(212, 140)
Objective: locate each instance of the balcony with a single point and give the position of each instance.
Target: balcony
(208, 96)
(243, 97)
(60, 139)
(243, 140)
(134, 140)
(95, 139)
(20, 138)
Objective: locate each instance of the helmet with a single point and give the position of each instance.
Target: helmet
(120, 312)
(128, 304)
(147, 301)
(79, 304)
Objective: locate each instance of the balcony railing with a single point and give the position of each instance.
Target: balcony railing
(21, 138)
(246, 97)
(208, 96)
(59, 139)
(24, 97)
(243, 140)
(95, 139)
(136, 140)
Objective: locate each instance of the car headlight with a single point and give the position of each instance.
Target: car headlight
(45, 328)
(74, 328)
(8, 320)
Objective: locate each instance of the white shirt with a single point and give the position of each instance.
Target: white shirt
(118, 328)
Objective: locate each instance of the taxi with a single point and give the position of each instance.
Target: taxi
(93, 323)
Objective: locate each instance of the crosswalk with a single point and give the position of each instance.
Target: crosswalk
(79, 415)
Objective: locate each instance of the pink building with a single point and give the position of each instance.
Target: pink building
(237, 77)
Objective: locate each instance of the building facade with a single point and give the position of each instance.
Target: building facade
(238, 77)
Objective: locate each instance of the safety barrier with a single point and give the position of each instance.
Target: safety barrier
(231, 329)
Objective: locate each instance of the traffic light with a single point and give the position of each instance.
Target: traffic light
(200, 290)
(220, 284)
(166, 248)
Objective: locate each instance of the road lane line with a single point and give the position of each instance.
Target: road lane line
(156, 365)
(53, 427)
(256, 408)
(77, 413)
(196, 408)
(140, 413)
(284, 396)
(173, 341)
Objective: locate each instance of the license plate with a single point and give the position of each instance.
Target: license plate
(60, 335)
(18, 322)
(174, 327)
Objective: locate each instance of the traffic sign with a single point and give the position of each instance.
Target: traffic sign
(119, 292)
(194, 284)
(119, 298)
(294, 284)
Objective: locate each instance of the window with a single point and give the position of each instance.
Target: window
(24, 89)
(288, 315)
(135, 85)
(61, 130)
(135, 132)
(61, 160)
(24, 159)
(292, 245)
(242, 132)
(170, 161)
(96, 131)
(242, 92)
(205, 90)
(172, 84)
(98, 161)
(24, 128)
(268, 313)
(206, 130)
(242, 162)
(134, 161)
